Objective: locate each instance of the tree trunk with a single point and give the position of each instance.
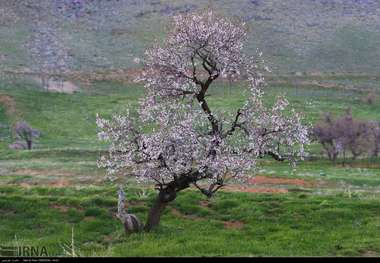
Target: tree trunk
(29, 144)
(332, 156)
(47, 83)
(43, 81)
(164, 197)
(155, 212)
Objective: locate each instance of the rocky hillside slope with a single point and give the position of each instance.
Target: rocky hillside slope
(294, 35)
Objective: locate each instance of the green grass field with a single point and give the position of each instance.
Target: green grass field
(55, 189)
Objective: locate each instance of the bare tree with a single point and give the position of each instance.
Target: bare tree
(177, 140)
(375, 132)
(354, 134)
(324, 131)
(370, 98)
(342, 135)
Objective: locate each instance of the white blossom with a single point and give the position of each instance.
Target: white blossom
(177, 137)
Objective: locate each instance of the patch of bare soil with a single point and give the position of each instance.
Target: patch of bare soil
(233, 224)
(319, 84)
(204, 203)
(262, 180)
(271, 182)
(245, 189)
(60, 183)
(42, 172)
(120, 75)
(56, 178)
(64, 87)
(9, 104)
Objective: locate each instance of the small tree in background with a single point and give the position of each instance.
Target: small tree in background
(186, 143)
(327, 135)
(375, 132)
(370, 98)
(25, 134)
(343, 134)
(354, 134)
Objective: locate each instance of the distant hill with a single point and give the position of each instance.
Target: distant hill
(294, 35)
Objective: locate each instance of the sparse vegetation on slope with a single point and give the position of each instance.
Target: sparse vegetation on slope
(294, 35)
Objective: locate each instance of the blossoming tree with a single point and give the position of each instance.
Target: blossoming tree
(178, 140)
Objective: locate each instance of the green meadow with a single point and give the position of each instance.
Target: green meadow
(55, 196)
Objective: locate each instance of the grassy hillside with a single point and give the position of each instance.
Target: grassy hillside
(294, 35)
(69, 120)
(316, 208)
